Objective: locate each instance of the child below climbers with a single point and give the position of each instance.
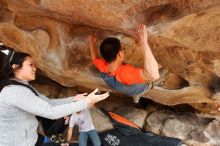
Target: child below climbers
(87, 130)
(126, 78)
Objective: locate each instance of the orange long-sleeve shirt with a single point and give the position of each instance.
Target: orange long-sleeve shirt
(126, 74)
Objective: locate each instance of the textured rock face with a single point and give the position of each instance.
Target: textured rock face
(193, 130)
(183, 34)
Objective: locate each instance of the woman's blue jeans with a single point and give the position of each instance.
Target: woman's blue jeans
(92, 135)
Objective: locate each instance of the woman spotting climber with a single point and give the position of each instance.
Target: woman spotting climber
(20, 102)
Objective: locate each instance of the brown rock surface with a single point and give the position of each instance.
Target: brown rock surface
(193, 130)
(184, 37)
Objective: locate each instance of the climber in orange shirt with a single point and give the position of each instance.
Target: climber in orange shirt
(123, 77)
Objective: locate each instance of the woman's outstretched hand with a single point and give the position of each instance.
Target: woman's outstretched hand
(92, 98)
(80, 96)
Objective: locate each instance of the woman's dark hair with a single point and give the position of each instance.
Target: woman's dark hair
(109, 49)
(8, 57)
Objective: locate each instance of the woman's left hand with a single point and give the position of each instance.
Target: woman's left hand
(80, 96)
(93, 98)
